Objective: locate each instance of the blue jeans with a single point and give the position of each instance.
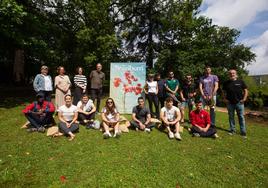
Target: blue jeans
(239, 108)
(211, 110)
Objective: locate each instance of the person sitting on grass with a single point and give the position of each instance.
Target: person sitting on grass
(86, 111)
(110, 118)
(68, 114)
(39, 114)
(170, 116)
(141, 117)
(200, 120)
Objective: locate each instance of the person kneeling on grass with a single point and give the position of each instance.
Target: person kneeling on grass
(39, 114)
(170, 116)
(110, 118)
(68, 114)
(200, 120)
(86, 112)
(141, 117)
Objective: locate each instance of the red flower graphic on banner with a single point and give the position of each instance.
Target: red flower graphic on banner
(129, 84)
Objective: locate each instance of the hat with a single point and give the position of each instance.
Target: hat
(40, 95)
(44, 67)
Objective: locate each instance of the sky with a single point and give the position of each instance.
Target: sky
(248, 16)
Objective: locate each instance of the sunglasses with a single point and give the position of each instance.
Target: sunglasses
(109, 102)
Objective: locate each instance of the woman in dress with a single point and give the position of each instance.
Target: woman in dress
(62, 85)
(80, 83)
(68, 114)
(110, 118)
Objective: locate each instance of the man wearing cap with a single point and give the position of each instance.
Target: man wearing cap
(39, 114)
(43, 83)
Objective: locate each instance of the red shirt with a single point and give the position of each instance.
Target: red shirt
(47, 107)
(200, 118)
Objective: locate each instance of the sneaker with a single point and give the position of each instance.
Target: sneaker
(244, 135)
(215, 136)
(177, 136)
(30, 130)
(89, 126)
(171, 135)
(117, 135)
(106, 135)
(41, 129)
(137, 129)
(196, 135)
(147, 130)
(231, 133)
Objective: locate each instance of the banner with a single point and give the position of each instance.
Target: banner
(126, 84)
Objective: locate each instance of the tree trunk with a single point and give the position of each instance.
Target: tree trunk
(18, 68)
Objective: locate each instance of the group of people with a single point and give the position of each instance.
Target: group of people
(170, 94)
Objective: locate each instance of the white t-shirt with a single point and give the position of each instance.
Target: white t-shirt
(170, 114)
(48, 84)
(68, 113)
(110, 116)
(152, 86)
(86, 108)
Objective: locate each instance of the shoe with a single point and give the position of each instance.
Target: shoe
(117, 135)
(89, 126)
(137, 129)
(30, 130)
(41, 129)
(171, 135)
(177, 136)
(215, 136)
(147, 130)
(231, 133)
(196, 135)
(244, 135)
(106, 135)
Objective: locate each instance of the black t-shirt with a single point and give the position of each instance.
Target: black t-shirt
(187, 89)
(141, 113)
(234, 90)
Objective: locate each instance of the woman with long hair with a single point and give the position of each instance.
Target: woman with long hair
(110, 118)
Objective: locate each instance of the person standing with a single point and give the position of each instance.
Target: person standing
(97, 78)
(208, 87)
(151, 91)
(187, 93)
(161, 89)
(80, 83)
(62, 85)
(172, 86)
(200, 121)
(235, 94)
(43, 83)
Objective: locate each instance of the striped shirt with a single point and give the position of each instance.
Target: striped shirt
(80, 80)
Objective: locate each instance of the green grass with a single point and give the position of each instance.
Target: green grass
(134, 160)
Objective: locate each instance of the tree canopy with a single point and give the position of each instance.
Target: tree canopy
(166, 34)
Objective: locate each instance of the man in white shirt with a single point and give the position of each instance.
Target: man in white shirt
(86, 111)
(170, 116)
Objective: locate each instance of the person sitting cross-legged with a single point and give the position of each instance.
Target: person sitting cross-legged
(86, 111)
(170, 116)
(141, 117)
(110, 118)
(200, 120)
(68, 114)
(39, 114)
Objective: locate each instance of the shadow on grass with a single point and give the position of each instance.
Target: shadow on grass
(15, 96)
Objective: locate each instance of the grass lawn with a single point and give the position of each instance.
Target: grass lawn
(136, 159)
